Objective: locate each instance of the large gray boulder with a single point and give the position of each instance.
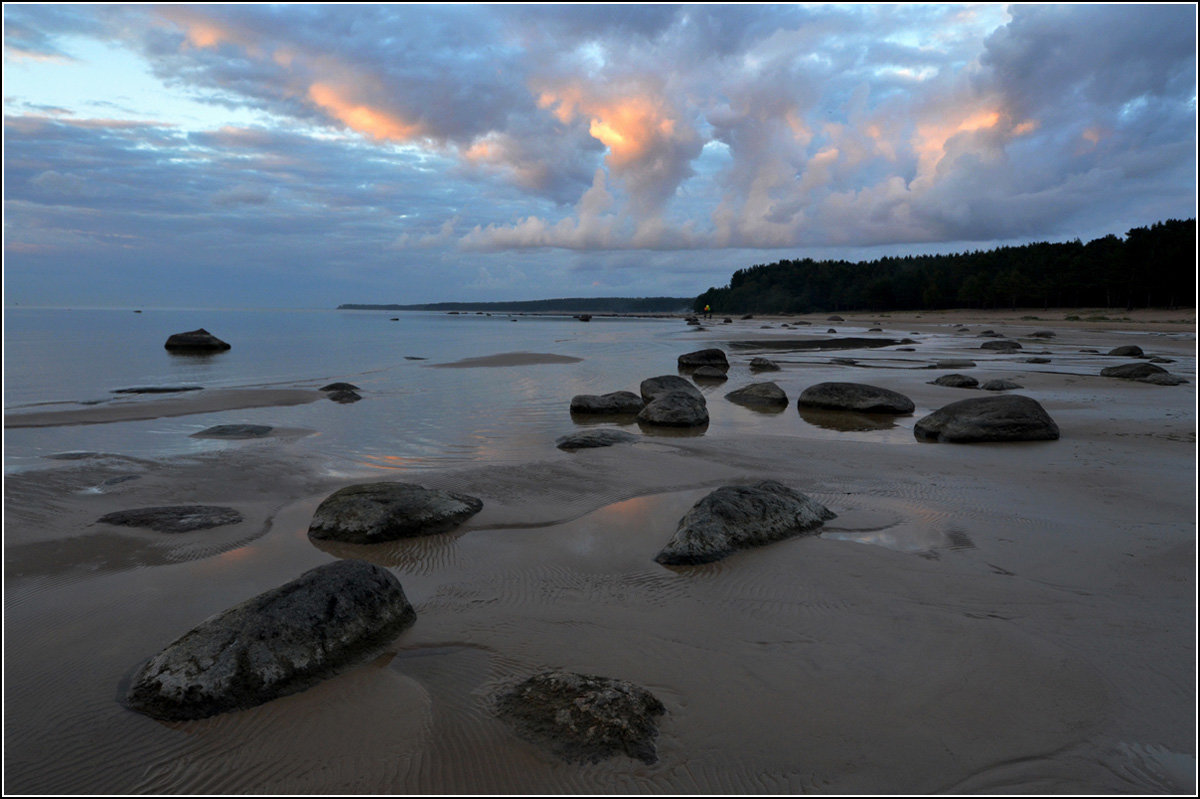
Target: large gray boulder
(199, 340)
(675, 409)
(1128, 351)
(855, 397)
(1132, 371)
(1003, 417)
(278, 643)
(759, 395)
(583, 718)
(652, 387)
(174, 518)
(373, 512)
(739, 517)
(591, 439)
(710, 357)
(613, 403)
(955, 381)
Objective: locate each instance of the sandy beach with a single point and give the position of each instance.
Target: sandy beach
(983, 618)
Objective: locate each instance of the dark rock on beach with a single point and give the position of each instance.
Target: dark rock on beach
(759, 395)
(613, 403)
(1000, 385)
(340, 387)
(591, 439)
(1128, 351)
(739, 517)
(277, 643)
(1037, 360)
(710, 357)
(199, 340)
(369, 513)
(1043, 334)
(955, 381)
(855, 397)
(234, 431)
(344, 397)
(1143, 372)
(709, 374)
(954, 364)
(1003, 345)
(763, 365)
(651, 387)
(174, 518)
(1005, 417)
(583, 718)
(675, 409)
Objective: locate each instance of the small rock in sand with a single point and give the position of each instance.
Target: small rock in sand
(763, 365)
(955, 381)
(1128, 351)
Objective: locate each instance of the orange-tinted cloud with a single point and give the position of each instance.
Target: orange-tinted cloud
(630, 126)
(360, 117)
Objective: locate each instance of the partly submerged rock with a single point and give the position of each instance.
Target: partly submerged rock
(855, 397)
(955, 381)
(278, 643)
(710, 357)
(589, 439)
(759, 395)
(199, 340)
(739, 517)
(174, 518)
(344, 397)
(1003, 345)
(675, 409)
(369, 513)
(1000, 384)
(1128, 351)
(954, 364)
(652, 387)
(1133, 371)
(234, 431)
(1043, 334)
(583, 718)
(1004, 417)
(340, 387)
(1164, 379)
(763, 365)
(615, 402)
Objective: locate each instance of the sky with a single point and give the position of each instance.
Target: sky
(307, 155)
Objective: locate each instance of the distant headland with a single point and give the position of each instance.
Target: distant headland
(618, 305)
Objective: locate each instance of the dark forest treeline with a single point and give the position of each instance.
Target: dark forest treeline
(1150, 267)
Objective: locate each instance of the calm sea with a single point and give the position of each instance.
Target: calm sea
(413, 416)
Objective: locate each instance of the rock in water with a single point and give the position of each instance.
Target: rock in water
(344, 397)
(174, 518)
(763, 365)
(1128, 351)
(616, 402)
(373, 512)
(710, 374)
(235, 431)
(340, 386)
(278, 643)
(583, 718)
(199, 340)
(675, 409)
(651, 387)
(739, 517)
(1005, 417)
(1003, 346)
(1133, 371)
(761, 395)
(1000, 384)
(710, 357)
(955, 381)
(590, 439)
(855, 397)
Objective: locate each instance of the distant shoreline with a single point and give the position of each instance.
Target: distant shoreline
(571, 305)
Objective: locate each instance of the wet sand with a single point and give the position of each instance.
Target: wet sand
(990, 618)
(136, 409)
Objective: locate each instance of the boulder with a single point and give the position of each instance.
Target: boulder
(1132, 371)
(372, 512)
(344, 397)
(710, 357)
(739, 517)
(235, 431)
(760, 395)
(340, 387)
(1160, 359)
(174, 518)
(709, 374)
(954, 364)
(1164, 379)
(1128, 351)
(855, 397)
(763, 365)
(199, 340)
(583, 718)
(834, 318)
(1004, 345)
(1000, 385)
(1003, 417)
(589, 439)
(675, 409)
(955, 381)
(616, 402)
(277, 643)
(1043, 334)
(651, 387)
(1037, 360)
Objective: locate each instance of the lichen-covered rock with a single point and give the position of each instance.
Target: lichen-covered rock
(369, 513)
(710, 357)
(613, 403)
(675, 409)
(761, 395)
(1004, 417)
(583, 718)
(733, 518)
(590, 439)
(199, 340)
(174, 518)
(855, 397)
(277, 643)
(955, 381)
(652, 387)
